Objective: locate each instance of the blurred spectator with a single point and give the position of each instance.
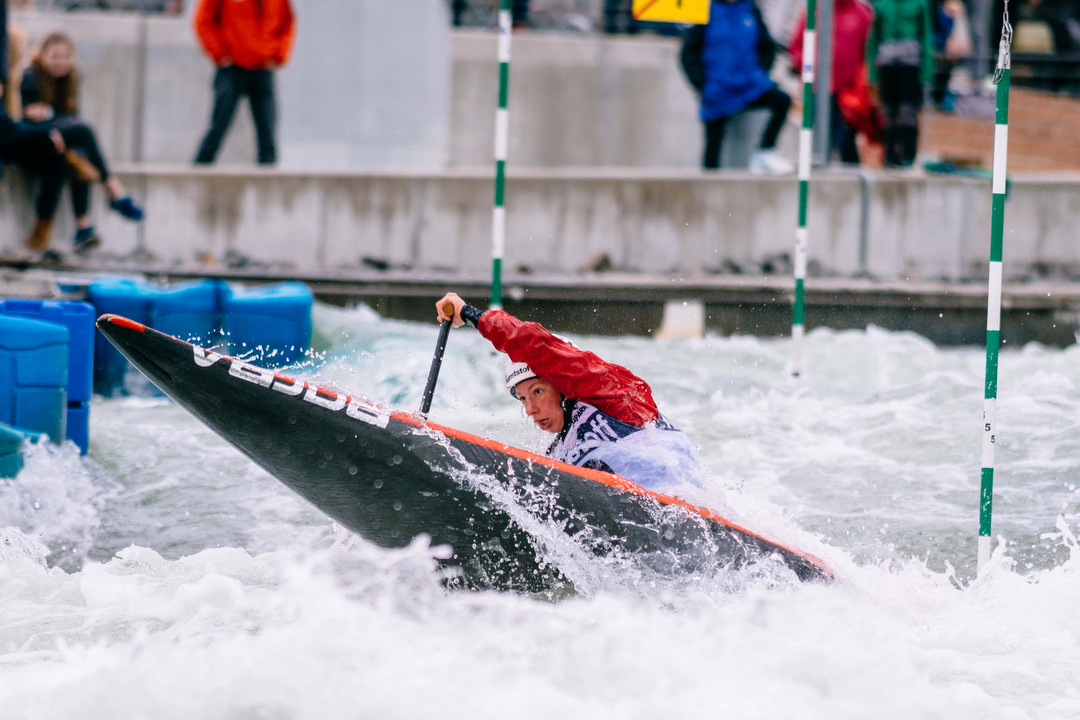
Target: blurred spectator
(247, 40)
(3, 42)
(519, 12)
(1056, 21)
(952, 44)
(901, 57)
(49, 91)
(851, 28)
(728, 62)
(57, 146)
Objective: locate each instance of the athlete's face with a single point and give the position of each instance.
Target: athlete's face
(542, 402)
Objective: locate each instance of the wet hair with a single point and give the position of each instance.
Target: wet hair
(59, 92)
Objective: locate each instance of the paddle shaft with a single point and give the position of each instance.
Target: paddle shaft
(436, 361)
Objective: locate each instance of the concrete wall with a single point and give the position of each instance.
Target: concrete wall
(368, 85)
(587, 101)
(380, 84)
(682, 224)
(386, 85)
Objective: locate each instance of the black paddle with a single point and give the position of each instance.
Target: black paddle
(436, 362)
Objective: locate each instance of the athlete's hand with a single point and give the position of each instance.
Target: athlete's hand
(457, 303)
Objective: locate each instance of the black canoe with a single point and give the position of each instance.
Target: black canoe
(391, 476)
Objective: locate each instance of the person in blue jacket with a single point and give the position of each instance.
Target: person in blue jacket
(728, 61)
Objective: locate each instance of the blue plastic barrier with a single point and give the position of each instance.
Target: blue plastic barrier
(132, 299)
(34, 375)
(275, 319)
(11, 442)
(78, 318)
(189, 311)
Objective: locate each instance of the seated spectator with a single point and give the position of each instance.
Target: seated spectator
(53, 143)
(728, 62)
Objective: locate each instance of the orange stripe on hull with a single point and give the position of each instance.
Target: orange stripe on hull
(123, 322)
(604, 478)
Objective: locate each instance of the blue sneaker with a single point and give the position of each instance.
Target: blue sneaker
(86, 240)
(127, 207)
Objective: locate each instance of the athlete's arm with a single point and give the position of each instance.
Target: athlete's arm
(576, 373)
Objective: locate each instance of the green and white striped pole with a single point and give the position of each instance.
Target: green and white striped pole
(806, 150)
(502, 140)
(993, 305)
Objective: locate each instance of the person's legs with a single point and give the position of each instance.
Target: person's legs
(52, 182)
(457, 9)
(714, 141)
(843, 136)
(80, 201)
(911, 100)
(765, 158)
(80, 137)
(778, 103)
(889, 85)
(227, 91)
(520, 13)
(264, 113)
(85, 237)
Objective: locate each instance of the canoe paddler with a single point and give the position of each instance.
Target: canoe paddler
(602, 415)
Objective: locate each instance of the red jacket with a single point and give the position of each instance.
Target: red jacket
(577, 374)
(851, 28)
(251, 33)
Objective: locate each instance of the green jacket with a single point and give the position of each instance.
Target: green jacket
(902, 20)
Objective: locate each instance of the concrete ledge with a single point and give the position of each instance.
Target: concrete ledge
(625, 304)
(683, 223)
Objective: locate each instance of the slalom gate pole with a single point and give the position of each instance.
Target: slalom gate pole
(993, 305)
(502, 140)
(806, 150)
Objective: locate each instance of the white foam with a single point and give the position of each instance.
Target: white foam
(208, 590)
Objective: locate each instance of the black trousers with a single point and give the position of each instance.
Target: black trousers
(776, 100)
(230, 84)
(843, 136)
(901, 100)
(31, 147)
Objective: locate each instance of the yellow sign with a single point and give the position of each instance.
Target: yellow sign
(695, 12)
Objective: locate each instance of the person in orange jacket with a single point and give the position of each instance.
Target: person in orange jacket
(247, 40)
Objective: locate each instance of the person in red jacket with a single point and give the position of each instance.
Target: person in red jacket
(602, 415)
(247, 40)
(851, 28)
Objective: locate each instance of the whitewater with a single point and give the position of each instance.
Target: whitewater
(166, 576)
